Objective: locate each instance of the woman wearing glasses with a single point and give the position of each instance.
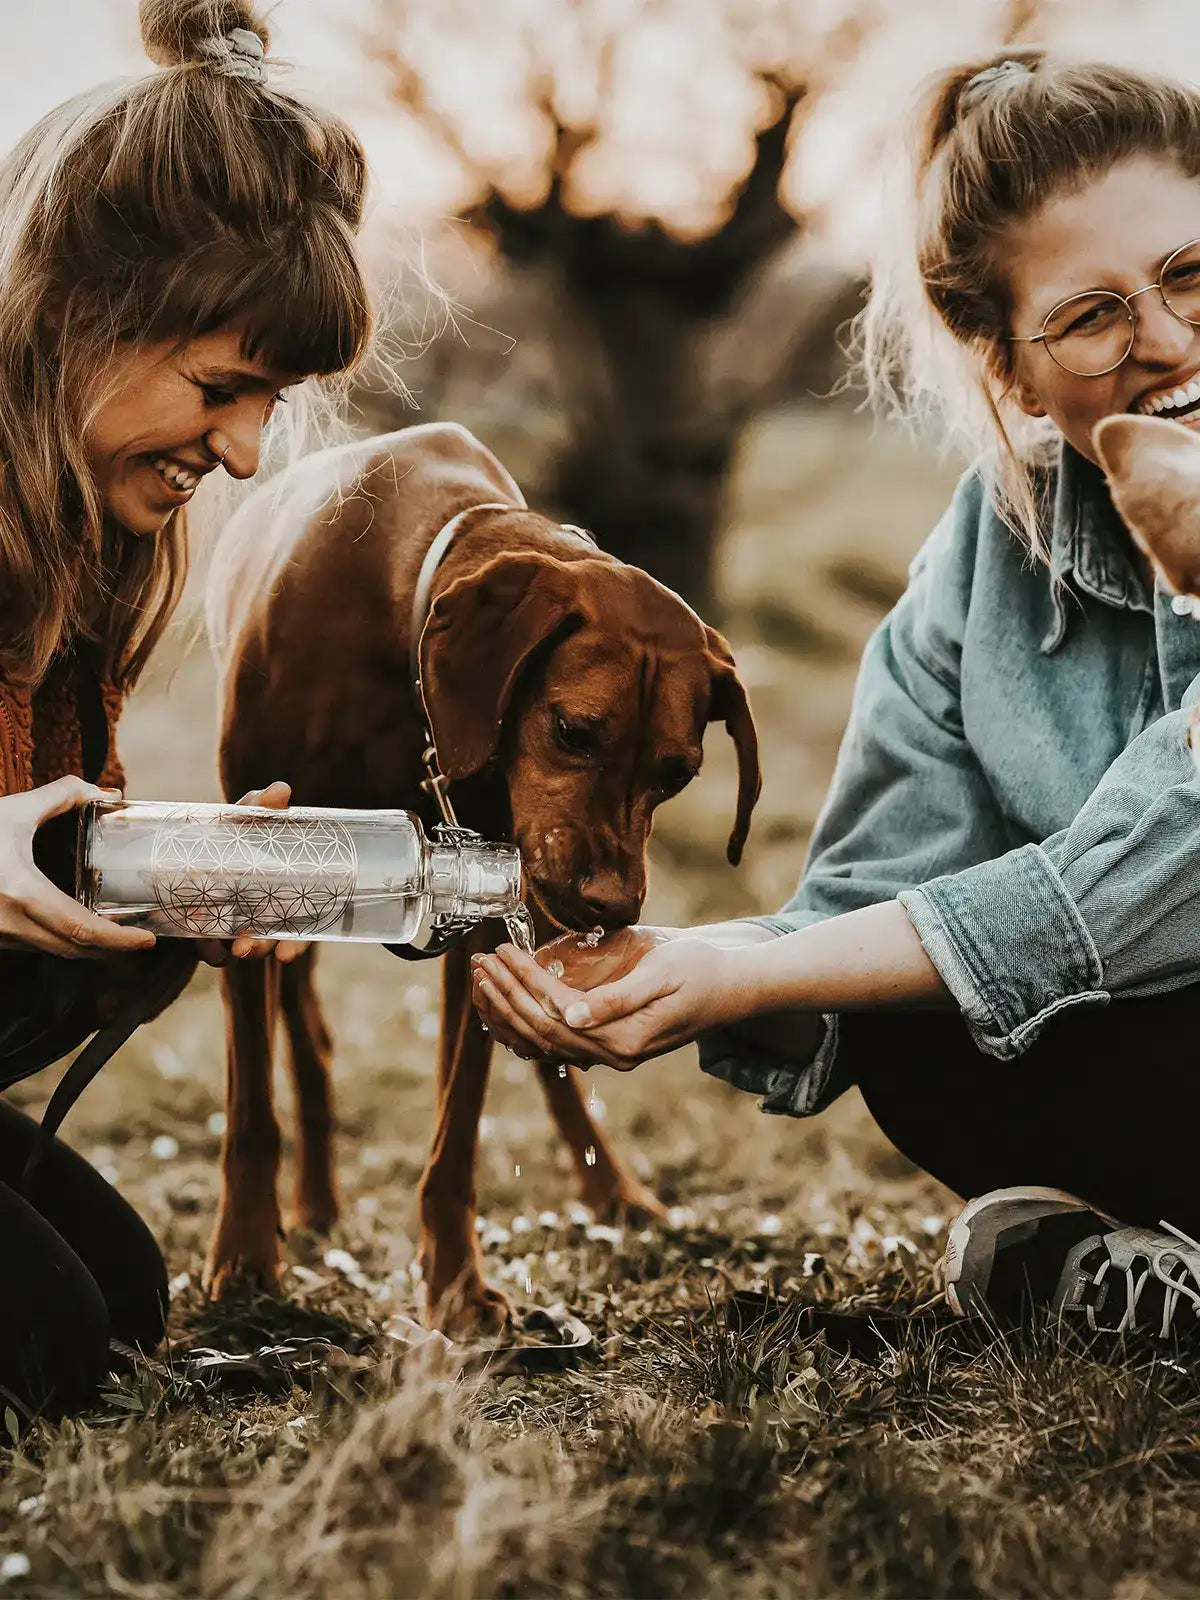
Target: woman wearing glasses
(997, 933)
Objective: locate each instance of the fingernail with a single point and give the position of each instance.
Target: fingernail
(577, 1014)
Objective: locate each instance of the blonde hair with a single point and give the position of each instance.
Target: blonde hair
(989, 152)
(194, 198)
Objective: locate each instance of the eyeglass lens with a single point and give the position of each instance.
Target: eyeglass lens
(1093, 333)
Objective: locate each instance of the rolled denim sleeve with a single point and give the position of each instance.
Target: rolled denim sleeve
(908, 801)
(1108, 906)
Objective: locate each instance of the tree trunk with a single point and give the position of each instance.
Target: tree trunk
(648, 458)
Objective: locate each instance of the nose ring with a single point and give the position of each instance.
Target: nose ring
(221, 457)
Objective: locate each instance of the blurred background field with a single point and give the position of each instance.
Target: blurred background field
(621, 241)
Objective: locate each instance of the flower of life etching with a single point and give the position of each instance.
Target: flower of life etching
(215, 879)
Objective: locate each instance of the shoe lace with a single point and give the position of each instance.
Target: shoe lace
(1168, 1268)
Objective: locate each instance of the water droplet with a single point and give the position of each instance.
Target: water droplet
(517, 1170)
(528, 1284)
(589, 1155)
(562, 1069)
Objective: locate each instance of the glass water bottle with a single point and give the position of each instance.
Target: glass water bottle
(216, 871)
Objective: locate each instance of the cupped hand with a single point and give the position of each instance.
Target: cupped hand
(216, 952)
(34, 914)
(660, 991)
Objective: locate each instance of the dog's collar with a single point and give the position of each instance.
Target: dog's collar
(434, 557)
(436, 782)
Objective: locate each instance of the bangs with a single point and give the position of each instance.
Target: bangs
(301, 305)
(311, 315)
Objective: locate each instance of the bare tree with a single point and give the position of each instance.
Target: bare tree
(674, 294)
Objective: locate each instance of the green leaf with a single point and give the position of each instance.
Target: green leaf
(12, 1426)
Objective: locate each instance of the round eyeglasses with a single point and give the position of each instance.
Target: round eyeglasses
(1092, 333)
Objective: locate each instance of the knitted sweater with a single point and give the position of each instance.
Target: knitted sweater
(40, 737)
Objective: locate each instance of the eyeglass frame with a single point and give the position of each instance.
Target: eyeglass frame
(1087, 294)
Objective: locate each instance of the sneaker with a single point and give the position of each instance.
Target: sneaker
(1014, 1251)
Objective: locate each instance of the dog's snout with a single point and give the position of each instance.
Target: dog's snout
(610, 898)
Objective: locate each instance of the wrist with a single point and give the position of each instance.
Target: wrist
(745, 991)
(769, 978)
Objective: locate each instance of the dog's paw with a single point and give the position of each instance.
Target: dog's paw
(239, 1260)
(459, 1301)
(627, 1202)
(474, 1310)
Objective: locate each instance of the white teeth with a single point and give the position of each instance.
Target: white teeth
(1188, 395)
(176, 476)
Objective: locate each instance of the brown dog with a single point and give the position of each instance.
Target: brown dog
(568, 696)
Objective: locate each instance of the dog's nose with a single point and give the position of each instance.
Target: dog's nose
(610, 899)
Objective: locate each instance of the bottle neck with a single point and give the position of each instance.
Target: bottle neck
(474, 880)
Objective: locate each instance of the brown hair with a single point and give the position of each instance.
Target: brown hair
(194, 198)
(989, 152)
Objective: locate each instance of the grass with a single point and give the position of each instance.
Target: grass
(686, 1456)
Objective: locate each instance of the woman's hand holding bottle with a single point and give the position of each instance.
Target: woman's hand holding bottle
(34, 913)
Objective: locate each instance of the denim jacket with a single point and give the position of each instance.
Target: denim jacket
(1015, 772)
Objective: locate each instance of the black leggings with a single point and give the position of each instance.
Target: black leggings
(78, 1266)
(1105, 1104)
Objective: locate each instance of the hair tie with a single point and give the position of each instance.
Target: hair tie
(238, 54)
(1002, 76)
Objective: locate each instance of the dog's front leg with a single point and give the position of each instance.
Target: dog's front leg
(606, 1184)
(309, 1053)
(457, 1297)
(245, 1244)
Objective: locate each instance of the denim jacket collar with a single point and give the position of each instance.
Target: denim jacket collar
(1089, 546)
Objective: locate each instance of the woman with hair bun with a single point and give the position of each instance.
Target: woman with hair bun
(996, 935)
(177, 257)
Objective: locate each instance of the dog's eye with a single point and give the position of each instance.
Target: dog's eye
(672, 777)
(573, 737)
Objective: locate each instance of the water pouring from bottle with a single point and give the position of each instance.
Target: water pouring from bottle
(520, 929)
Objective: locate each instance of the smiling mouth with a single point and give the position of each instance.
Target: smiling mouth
(180, 480)
(1175, 404)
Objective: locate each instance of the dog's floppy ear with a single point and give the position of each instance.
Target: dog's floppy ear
(730, 705)
(1153, 471)
(479, 635)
